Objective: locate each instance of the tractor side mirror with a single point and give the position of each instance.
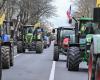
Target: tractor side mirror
(96, 15)
(53, 31)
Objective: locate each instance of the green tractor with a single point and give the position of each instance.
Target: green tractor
(30, 38)
(80, 50)
(7, 47)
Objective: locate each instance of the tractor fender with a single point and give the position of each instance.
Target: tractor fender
(96, 42)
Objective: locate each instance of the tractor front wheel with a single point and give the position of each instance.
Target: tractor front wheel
(97, 71)
(5, 50)
(73, 59)
(12, 56)
(90, 67)
(56, 54)
(92, 64)
(20, 48)
(39, 47)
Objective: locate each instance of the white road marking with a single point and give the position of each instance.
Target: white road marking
(52, 74)
(17, 55)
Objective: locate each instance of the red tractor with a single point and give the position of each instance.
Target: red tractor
(63, 37)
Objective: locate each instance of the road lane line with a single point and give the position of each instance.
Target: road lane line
(17, 55)
(52, 74)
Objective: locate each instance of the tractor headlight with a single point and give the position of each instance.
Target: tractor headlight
(88, 39)
(88, 51)
(88, 44)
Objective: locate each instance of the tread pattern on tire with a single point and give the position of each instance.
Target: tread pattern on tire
(73, 59)
(94, 58)
(97, 67)
(56, 54)
(12, 56)
(5, 50)
(20, 47)
(39, 47)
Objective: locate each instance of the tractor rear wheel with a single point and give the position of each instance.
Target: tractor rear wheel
(97, 71)
(92, 64)
(5, 50)
(56, 54)
(0, 65)
(20, 48)
(39, 47)
(12, 56)
(73, 59)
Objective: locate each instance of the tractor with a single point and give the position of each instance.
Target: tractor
(47, 39)
(7, 47)
(30, 38)
(94, 57)
(63, 37)
(80, 50)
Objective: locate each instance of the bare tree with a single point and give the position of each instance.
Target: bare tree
(85, 8)
(33, 10)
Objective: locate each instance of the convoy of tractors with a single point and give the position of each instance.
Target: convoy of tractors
(82, 44)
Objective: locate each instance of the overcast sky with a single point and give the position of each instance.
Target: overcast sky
(61, 19)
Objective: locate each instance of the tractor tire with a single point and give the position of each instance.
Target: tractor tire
(45, 45)
(5, 50)
(0, 66)
(39, 47)
(73, 59)
(97, 70)
(12, 57)
(0, 73)
(56, 53)
(92, 64)
(20, 48)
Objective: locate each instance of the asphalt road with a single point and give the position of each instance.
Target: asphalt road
(32, 66)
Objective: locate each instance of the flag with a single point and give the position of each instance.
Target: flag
(69, 13)
(72, 0)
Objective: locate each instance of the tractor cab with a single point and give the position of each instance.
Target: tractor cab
(28, 33)
(28, 29)
(64, 36)
(7, 31)
(85, 30)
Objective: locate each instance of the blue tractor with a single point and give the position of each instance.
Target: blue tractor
(7, 48)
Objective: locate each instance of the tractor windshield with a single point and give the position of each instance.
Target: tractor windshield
(87, 28)
(65, 33)
(28, 29)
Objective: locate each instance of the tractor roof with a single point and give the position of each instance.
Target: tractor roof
(86, 19)
(28, 26)
(67, 27)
